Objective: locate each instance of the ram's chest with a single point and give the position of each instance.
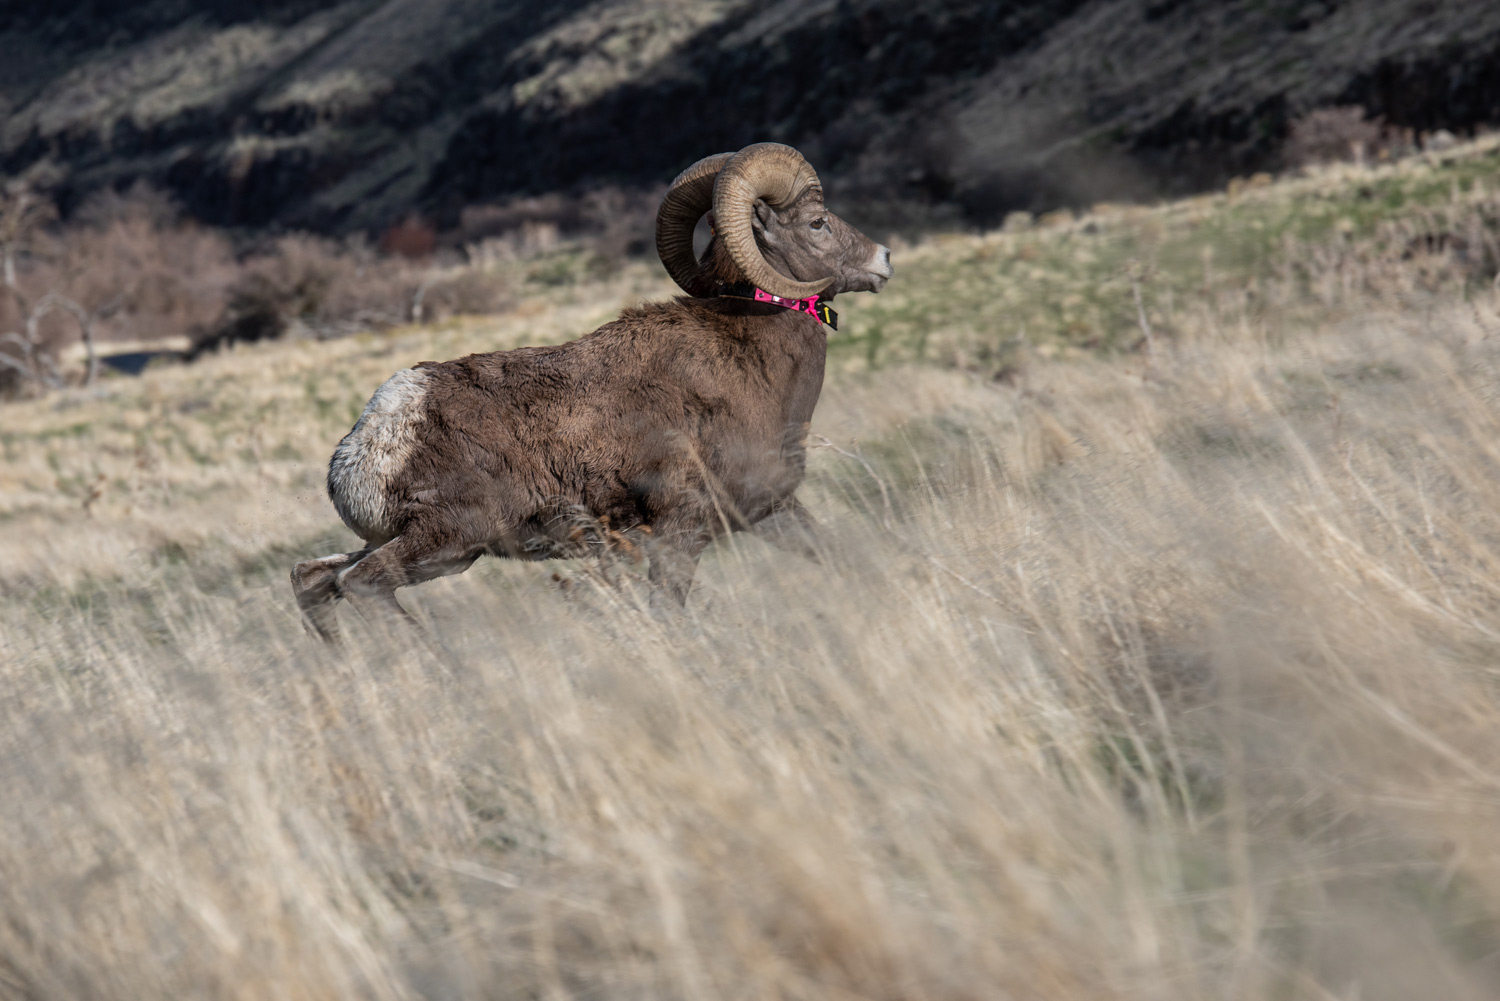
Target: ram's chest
(803, 380)
(756, 451)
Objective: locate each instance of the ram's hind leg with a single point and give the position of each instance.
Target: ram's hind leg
(316, 586)
(411, 558)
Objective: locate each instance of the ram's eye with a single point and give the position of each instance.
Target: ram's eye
(817, 223)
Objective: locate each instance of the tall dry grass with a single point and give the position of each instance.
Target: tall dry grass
(1120, 680)
(1174, 687)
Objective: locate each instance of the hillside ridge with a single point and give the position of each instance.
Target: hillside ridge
(348, 116)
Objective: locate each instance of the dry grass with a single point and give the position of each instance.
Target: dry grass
(1116, 681)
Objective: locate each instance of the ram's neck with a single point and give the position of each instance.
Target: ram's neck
(716, 268)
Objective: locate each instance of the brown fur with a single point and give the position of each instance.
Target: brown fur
(673, 424)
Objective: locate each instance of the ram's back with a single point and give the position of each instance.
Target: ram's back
(517, 435)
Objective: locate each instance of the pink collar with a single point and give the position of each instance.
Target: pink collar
(811, 306)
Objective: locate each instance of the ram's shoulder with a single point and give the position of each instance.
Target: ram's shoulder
(678, 312)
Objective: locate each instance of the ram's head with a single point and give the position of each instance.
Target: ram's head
(770, 220)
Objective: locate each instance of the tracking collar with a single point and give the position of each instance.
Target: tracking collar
(811, 306)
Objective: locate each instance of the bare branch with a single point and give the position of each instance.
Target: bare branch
(7, 251)
(419, 296)
(55, 301)
(12, 363)
(21, 212)
(91, 373)
(51, 376)
(1141, 318)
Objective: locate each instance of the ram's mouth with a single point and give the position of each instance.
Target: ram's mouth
(880, 269)
(881, 272)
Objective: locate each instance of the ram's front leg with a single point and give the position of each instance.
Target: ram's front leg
(791, 528)
(674, 551)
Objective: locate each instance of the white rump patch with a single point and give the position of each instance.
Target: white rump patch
(373, 454)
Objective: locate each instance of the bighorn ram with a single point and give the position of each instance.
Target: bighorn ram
(673, 424)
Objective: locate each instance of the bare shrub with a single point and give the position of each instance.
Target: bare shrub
(1333, 135)
(1446, 248)
(21, 343)
(465, 292)
(514, 219)
(611, 225)
(325, 288)
(313, 286)
(619, 222)
(126, 267)
(412, 237)
(168, 275)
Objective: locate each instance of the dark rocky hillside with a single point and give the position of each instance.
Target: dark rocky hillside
(345, 116)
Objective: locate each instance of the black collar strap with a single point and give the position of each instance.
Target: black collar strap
(811, 306)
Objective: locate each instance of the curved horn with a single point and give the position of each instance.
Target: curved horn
(690, 195)
(780, 175)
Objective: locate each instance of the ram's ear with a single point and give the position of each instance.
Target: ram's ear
(761, 215)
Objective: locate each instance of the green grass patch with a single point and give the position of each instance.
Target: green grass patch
(1074, 284)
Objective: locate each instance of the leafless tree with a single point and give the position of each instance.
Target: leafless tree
(22, 213)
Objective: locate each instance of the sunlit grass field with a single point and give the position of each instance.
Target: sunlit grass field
(1152, 653)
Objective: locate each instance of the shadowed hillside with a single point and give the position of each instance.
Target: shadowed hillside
(342, 116)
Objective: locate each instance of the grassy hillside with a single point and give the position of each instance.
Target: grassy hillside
(1132, 669)
(1306, 250)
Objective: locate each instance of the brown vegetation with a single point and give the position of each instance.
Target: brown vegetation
(1342, 133)
(139, 273)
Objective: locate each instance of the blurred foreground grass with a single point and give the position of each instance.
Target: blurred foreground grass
(1124, 675)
